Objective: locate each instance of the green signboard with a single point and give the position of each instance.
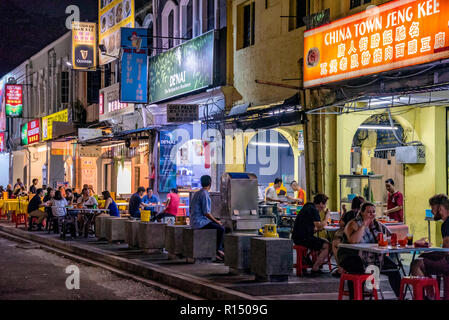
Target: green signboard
(185, 68)
(24, 134)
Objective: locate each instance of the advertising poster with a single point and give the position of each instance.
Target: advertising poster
(47, 123)
(84, 45)
(167, 166)
(110, 106)
(2, 142)
(134, 65)
(113, 15)
(185, 68)
(30, 132)
(394, 35)
(13, 100)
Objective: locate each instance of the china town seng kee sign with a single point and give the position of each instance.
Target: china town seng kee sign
(394, 35)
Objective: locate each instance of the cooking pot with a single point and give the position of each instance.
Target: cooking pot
(266, 210)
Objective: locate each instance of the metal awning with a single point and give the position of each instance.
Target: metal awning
(435, 95)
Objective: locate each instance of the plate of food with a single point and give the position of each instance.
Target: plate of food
(111, 18)
(127, 9)
(119, 13)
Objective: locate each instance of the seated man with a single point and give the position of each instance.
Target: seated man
(365, 229)
(86, 200)
(33, 209)
(201, 217)
(300, 193)
(135, 203)
(150, 197)
(307, 221)
(436, 263)
(171, 206)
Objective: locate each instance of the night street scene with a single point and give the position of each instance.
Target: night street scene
(224, 158)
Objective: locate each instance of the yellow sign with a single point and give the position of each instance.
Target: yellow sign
(47, 123)
(84, 45)
(112, 16)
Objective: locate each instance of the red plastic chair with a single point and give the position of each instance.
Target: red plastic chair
(358, 280)
(21, 219)
(300, 265)
(418, 284)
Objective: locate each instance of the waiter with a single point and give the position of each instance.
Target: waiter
(395, 203)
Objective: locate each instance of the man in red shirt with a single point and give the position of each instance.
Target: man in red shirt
(171, 206)
(395, 203)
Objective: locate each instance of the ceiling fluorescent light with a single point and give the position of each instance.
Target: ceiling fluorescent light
(378, 127)
(269, 144)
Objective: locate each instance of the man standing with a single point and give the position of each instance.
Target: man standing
(33, 209)
(395, 202)
(306, 222)
(271, 194)
(436, 263)
(33, 188)
(135, 203)
(300, 196)
(201, 217)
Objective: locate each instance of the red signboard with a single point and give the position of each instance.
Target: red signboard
(33, 131)
(14, 101)
(2, 142)
(394, 35)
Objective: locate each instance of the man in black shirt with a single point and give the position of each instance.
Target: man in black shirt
(307, 221)
(33, 188)
(436, 263)
(33, 209)
(135, 203)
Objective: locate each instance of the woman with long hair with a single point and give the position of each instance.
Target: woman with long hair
(110, 204)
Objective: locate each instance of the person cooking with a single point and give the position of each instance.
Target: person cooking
(271, 194)
(395, 202)
(300, 193)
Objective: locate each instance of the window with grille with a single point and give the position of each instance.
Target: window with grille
(297, 11)
(358, 3)
(64, 87)
(246, 25)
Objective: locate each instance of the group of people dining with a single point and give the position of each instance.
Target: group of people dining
(358, 226)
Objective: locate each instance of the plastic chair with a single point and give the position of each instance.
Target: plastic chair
(418, 284)
(358, 280)
(303, 253)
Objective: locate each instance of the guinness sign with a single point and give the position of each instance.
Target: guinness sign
(84, 44)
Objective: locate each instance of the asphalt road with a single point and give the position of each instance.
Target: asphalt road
(35, 274)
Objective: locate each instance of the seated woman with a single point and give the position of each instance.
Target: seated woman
(344, 220)
(110, 204)
(58, 204)
(364, 229)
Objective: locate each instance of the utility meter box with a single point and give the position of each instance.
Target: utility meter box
(411, 154)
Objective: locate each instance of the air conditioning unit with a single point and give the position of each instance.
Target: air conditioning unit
(411, 154)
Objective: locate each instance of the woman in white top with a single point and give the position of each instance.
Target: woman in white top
(58, 204)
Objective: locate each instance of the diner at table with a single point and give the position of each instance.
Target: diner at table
(110, 204)
(33, 209)
(339, 234)
(150, 198)
(365, 229)
(306, 223)
(171, 206)
(435, 263)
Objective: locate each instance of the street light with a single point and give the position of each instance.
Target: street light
(103, 51)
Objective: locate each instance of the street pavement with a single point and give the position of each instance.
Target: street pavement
(28, 272)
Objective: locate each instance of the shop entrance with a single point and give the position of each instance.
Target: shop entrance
(280, 164)
(373, 149)
(124, 178)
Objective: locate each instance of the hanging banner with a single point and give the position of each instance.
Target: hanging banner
(113, 15)
(134, 65)
(393, 35)
(2, 142)
(183, 69)
(110, 106)
(84, 45)
(13, 102)
(47, 123)
(167, 165)
(30, 132)
(2, 106)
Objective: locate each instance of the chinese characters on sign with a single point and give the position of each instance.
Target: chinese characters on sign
(47, 123)
(401, 33)
(13, 97)
(134, 66)
(110, 105)
(182, 112)
(30, 132)
(84, 45)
